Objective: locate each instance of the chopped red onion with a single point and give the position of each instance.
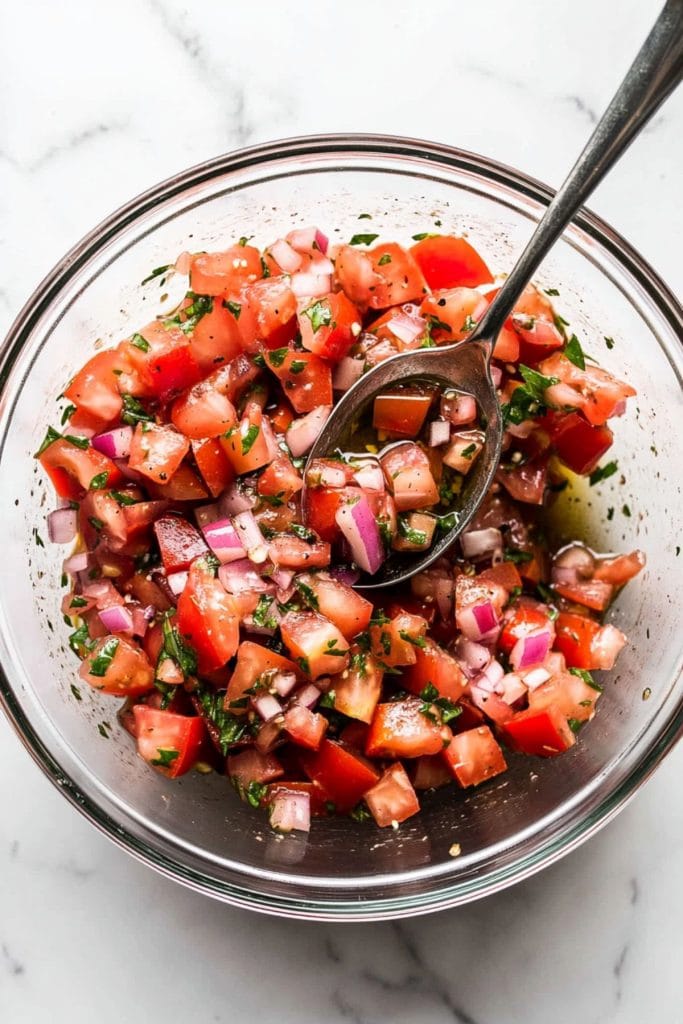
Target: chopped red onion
(286, 258)
(269, 437)
(183, 264)
(238, 577)
(309, 285)
(103, 592)
(531, 649)
(291, 812)
(521, 430)
(572, 564)
(478, 621)
(511, 688)
(619, 409)
(439, 433)
(458, 408)
(283, 596)
(406, 327)
(370, 476)
(169, 672)
(331, 476)
(308, 695)
(78, 431)
(234, 500)
(270, 735)
(344, 573)
(555, 663)
(496, 376)
(302, 433)
(480, 544)
(347, 372)
(207, 514)
(62, 525)
(473, 657)
(283, 683)
(114, 443)
(302, 239)
(358, 524)
(177, 581)
(130, 474)
(140, 621)
(267, 706)
(282, 578)
(491, 704)
(251, 537)
(321, 265)
(536, 677)
(222, 538)
(322, 241)
(491, 676)
(272, 615)
(117, 619)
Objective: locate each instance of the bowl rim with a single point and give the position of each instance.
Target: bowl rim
(344, 905)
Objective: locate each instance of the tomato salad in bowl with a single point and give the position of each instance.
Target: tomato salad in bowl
(212, 586)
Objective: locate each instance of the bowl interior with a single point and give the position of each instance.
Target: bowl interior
(196, 828)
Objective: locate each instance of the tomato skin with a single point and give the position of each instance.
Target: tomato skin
(526, 482)
(129, 673)
(450, 262)
(212, 463)
(216, 338)
(458, 308)
(505, 574)
(579, 445)
(621, 569)
(344, 775)
(184, 485)
(569, 694)
(401, 414)
(334, 339)
(593, 594)
(289, 552)
(396, 642)
(252, 766)
(179, 543)
(597, 394)
(157, 731)
(434, 665)
(246, 446)
(67, 464)
(474, 756)
(392, 798)
(207, 617)
(309, 637)
(306, 728)
(400, 729)
(280, 479)
(341, 604)
(308, 388)
(268, 314)
(543, 733)
(94, 390)
(317, 795)
(203, 411)
(575, 635)
(157, 451)
(252, 661)
(522, 618)
(408, 474)
(387, 275)
(214, 273)
(167, 366)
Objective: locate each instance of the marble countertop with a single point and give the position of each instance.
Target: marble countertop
(100, 102)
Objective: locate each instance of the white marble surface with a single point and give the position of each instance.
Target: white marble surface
(99, 102)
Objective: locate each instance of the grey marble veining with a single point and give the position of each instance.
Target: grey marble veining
(101, 101)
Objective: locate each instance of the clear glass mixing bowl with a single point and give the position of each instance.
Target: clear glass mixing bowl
(196, 830)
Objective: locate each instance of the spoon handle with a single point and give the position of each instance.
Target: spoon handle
(654, 74)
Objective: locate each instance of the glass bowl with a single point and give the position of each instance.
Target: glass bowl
(196, 830)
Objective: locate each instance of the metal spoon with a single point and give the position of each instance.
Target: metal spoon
(654, 74)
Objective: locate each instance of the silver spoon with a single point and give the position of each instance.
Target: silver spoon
(465, 366)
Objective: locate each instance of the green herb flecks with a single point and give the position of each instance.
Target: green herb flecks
(320, 314)
(363, 239)
(528, 399)
(139, 342)
(157, 272)
(249, 439)
(134, 412)
(99, 482)
(166, 757)
(104, 657)
(602, 473)
(574, 353)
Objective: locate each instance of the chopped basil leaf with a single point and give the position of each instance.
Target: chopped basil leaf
(230, 728)
(516, 556)
(277, 356)
(528, 399)
(40, 543)
(121, 498)
(78, 602)
(416, 641)
(307, 593)
(199, 307)
(469, 324)
(177, 648)
(133, 411)
(67, 414)
(364, 216)
(418, 537)
(96, 523)
(77, 442)
(156, 273)
(383, 260)
(304, 665)
(99, 481)
(422, 235)
(50, 437)
(602, 473)
(104, 657)
(327, 699)
(363, 239)
(140, 342)
(468, 452)
(360, 812)
(79, 640)
(265, 269)
(234, 307)
(297, 366)
(249, 438)
(255, 793)
(437, 325)
(574, 353)
(626, 511)
(76, 692)
(165, 758)
(244, 239)
(262, 616)
(320, 314)
(587, 678)
(302, 531)
(551, 291)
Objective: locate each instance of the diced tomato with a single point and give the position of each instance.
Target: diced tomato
(306, 378)
(409, 476)
(101, 518)
(166, 365)
(434, 665)
(203, 411)
(95, 388)
(544, 733)
(578, 444)
(216, 336)
(179, 543)
(118, 667)
(207, 618)
(569, 693)
(358, 688)
(341, 604)
(522, 618)
(453, 313)
(169, 742)
(401, 414)
(596, 392)
(526, 482)
(474, 590)
(157, 451)
(322, 505)
(213, 464)
(317, 795)
(463, 450)
(306, 728)
(268, 314)
(235, 378)
(290, 552)
(253, 661)
(401, 729)
(315, 643)
(280, 416)
(329, 326)
(585, 644)
(146, 591)
(621, 569)
(594, 594)
(474, 756)
(65, 462)
(280, 480)
(385, 276)
(214, 273)
(431, 772)
(450, 262)
(252, 766)
(184, 485)
(247, 445)
(505, 574)
(344, 775)
(396, 642)
(393, 798)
